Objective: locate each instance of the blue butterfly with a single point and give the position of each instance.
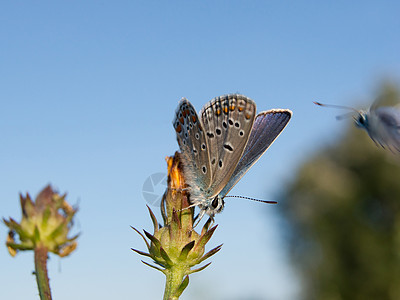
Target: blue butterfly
(381, 122)
(221, 145)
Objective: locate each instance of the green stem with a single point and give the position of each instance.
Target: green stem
(41, 273)
(175, 277)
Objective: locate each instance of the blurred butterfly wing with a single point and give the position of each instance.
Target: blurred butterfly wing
(266, 128)
(385, 127)
(387, 99)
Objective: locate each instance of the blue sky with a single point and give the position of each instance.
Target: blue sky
(88, 92)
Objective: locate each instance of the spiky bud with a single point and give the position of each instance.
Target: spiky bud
(175, 246)
(45, 223)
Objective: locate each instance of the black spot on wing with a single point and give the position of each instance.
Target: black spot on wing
(228, 147)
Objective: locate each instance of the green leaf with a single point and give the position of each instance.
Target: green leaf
(147, 244)
(153, 239)
(163, 212)
(157, 245)
(153, 219)
(36, 235)
(56, 232)
(154, 267)
(182, 287)
(199, 269)
(46, 216)
(141, 252)
(165, 256)
(21, 247)
(73, 238)
(210, 253)
(185, 251)
(205, 238)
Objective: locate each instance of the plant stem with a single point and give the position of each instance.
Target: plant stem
(174, 279)
(41, 272)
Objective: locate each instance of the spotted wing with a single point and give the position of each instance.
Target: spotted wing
(193, 145)
(227, 122)
(266, 128)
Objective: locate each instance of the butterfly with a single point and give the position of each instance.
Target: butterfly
(221, 145)
(381, 122)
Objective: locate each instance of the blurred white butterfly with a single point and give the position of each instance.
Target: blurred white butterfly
(381, 122)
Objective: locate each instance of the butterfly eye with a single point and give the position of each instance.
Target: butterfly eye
(361, 120)
(215, 202)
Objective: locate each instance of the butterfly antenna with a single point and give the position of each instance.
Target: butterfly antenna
(253, 199)
(344, 116)
(336, 106)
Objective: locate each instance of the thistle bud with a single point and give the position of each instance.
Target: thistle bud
(45, 223)
(175, 246)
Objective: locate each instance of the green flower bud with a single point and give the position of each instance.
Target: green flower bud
(175, 247)
(45, 223)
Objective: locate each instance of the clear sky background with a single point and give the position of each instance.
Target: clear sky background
(88, 91)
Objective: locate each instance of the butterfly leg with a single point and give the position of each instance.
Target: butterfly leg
(211, 222)
(198, 218)
(179, 189)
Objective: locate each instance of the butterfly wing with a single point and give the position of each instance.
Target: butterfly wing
(227, 124)
(387, 99)
(193, 145)
(384, 127)
(266, 128)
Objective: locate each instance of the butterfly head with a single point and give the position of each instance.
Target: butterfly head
(217, 204)
(212, 206)
(360, 117)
